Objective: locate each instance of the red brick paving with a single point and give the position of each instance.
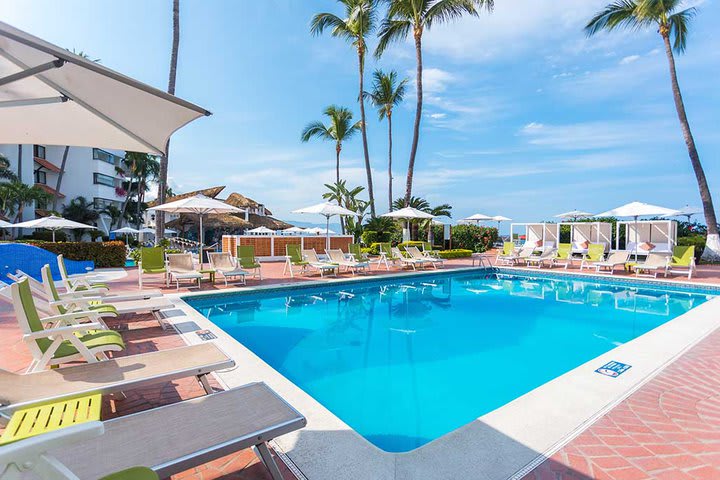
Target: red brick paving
(669, 429)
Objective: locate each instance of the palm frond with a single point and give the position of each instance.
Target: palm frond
(339, 26)
(315, 130)
(621, 13)
(444, 11)
(391, 31)
(679, 24)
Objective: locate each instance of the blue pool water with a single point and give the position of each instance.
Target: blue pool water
(406, 361)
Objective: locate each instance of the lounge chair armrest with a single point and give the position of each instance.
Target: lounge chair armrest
(30, 450)
(63, 331)
(72, 316)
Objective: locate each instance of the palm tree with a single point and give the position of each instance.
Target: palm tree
(673, 25)
(348, 198)
(359, 22)
(82, 211)
(418, 203)
(443, 210)
(340, 130)
(416, 16)
(5, 172)
(386, 93)
(163, 174)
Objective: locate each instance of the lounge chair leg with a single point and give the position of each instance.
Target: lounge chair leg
(268, 461)
(205, 383)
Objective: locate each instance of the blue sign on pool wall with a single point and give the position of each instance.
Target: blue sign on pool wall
(613, 369)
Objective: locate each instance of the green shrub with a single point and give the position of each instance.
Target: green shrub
(455, 253)
(698, 241)
(474, 237)
(46, 236)
(369, 237)
(104, 254)
(367, 251)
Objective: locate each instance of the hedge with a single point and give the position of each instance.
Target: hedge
(475, 238)
(455, 253)
(698, 241)
(105, 254)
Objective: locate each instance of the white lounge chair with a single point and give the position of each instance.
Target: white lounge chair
(225, 266)
(521, 256)
(314, 262)
(67, 340)
(405, 260)
(537, 261)
(653, 264)
(181, 267)
(168, 440)
(415, 253)
(615, 259)
(337, 256)
(78, 281)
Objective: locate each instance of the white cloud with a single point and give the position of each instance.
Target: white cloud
(437, 116)
(436, 80)
(629, 59)
(594, 135)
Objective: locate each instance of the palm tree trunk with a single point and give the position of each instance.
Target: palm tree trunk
(418, 116)
(390, 176)
(712, 247)
(338, 148)
(361, 98)
(19, 169)
(162, 181)
(61, 173)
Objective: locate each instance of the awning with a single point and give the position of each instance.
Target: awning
(50, 190)
(50, 96)
(48, 165)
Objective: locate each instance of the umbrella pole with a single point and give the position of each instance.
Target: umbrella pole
(53, 235)
(327, 232)
(200, 247)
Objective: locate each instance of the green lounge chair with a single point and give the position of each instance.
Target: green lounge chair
(78, 281)
(355, 249)
(294, 258)
(386, 255)
(66, 340)
(152, 262)
(563, 255)
(428, 251)
(507, 255)
(682, 261)
(247, 260)
(595, 254)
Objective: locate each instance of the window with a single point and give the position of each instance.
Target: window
(100, 179)
(39, 151)
(102, 203)
(40, 177)
(106, 157)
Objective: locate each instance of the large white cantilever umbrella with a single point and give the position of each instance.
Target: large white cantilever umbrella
(686, 211)
(635, 210)
(408, 213)
(51, 96)
(327, 210)
(54, 224)
(200, 205)
(500, 218)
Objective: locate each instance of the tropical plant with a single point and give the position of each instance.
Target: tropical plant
(340, 130)
(348, 198)
(359, 21)
(80, 210)
(418, 203)
(415, 16)
(142, 169)
(381, 227)
(115, 215)
(386, 93)
(172, 77)
(5, 172)
(673, 25)
(15, 196)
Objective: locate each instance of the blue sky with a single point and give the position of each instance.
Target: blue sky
(524, 116)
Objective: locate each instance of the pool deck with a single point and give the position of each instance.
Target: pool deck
(668, 429)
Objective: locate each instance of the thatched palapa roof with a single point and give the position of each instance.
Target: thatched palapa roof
(211, 192)
(241, 201)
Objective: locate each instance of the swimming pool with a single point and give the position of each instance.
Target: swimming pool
(404, 361)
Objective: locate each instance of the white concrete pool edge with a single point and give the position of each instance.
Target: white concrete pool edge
(499, 444)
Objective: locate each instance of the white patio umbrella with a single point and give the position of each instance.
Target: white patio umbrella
(686, 211)
(477, 218)
(327, 210)
(51, 96)
(200, 205)
(636, 210)
(4, 224)
(574, 215)
(292, 230)
(54, 224)
(408, 213)
(500, 218)
(127, 231)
